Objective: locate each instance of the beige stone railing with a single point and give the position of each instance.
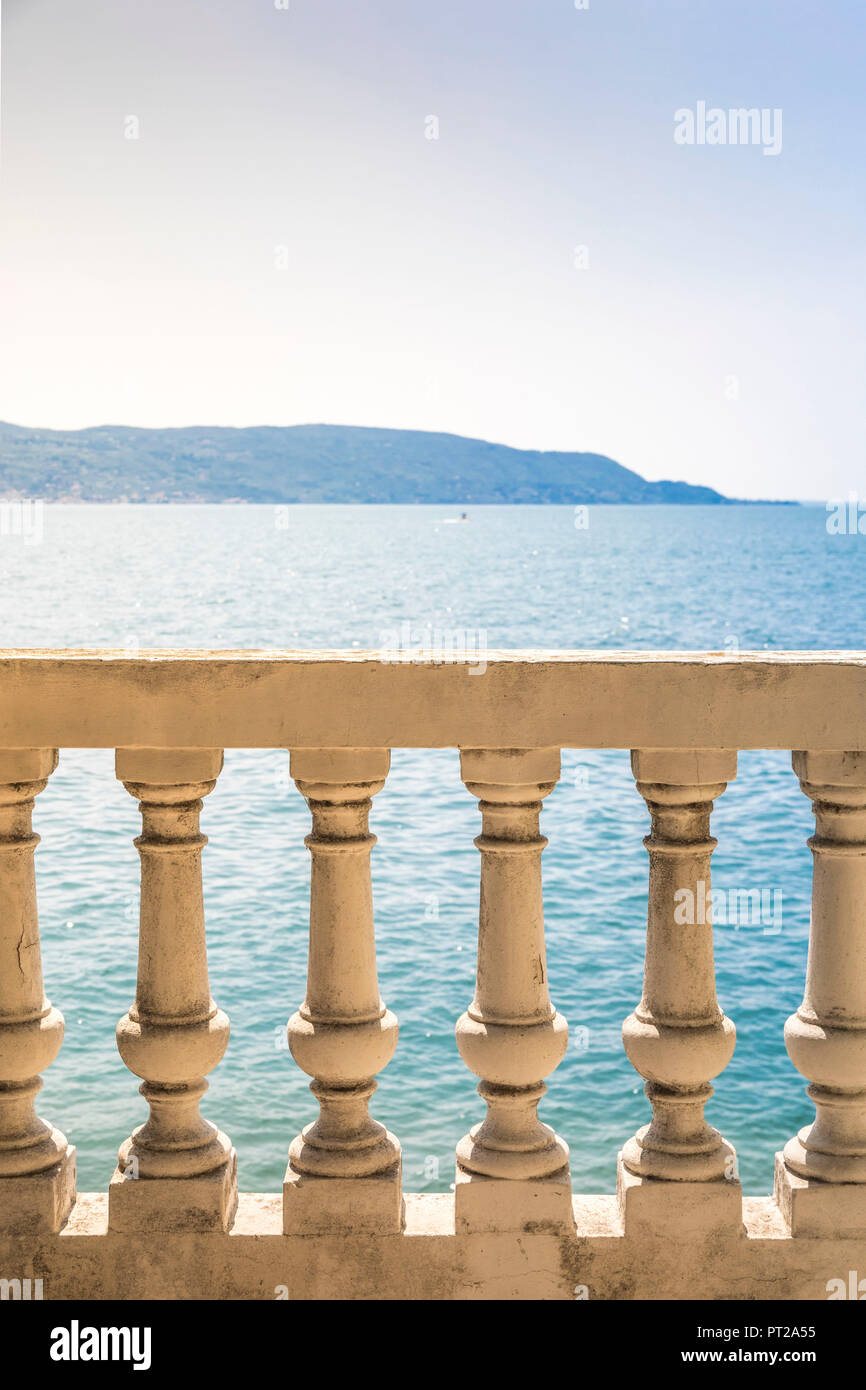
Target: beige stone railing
(172, 1224)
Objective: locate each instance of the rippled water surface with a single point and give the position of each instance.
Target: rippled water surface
(667, 577)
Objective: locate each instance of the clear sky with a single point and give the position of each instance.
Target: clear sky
(282, 243)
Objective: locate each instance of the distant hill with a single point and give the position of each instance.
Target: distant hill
(309, 463)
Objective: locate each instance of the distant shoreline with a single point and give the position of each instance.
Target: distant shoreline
(725, 503)
(336, 465)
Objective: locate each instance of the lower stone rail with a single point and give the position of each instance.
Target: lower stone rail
(594, 1260)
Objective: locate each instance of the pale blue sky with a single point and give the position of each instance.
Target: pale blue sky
(282, 244)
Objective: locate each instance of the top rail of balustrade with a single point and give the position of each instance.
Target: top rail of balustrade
(509, 699)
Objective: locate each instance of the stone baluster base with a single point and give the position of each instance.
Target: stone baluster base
(33, 1200)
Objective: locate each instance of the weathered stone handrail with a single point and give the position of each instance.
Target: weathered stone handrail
(678, 1225)
(104, 699)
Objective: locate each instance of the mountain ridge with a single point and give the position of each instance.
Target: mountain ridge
(313, 463)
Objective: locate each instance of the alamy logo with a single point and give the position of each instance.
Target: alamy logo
(846, 518)
(22, 516)
(21, 1290)
(737, 126)
(433, 646)
(738, 907)
(76, 1343)
(854, 1289)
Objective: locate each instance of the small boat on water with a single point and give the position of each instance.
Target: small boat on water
(455, 520)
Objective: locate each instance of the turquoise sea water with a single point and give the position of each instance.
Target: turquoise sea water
(666, 577)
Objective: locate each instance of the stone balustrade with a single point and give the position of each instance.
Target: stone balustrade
(677, 1224)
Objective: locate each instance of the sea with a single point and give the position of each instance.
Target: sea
(685, 578)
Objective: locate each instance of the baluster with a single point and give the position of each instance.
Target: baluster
(511, 1168)
(821, 1176)
(37, 1166)
(176, 1171)
(678, 1172)
(344, 1170)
